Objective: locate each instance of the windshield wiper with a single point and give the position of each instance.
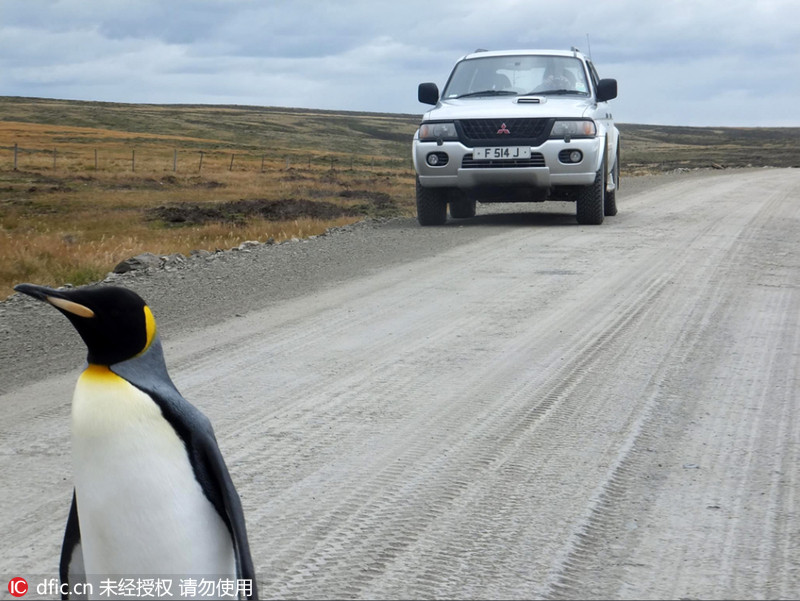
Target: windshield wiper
(559, 92)
(489, 93)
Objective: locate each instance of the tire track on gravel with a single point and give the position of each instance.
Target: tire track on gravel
(375, 540)
(599, 563)
(409, 459)
(370, 513)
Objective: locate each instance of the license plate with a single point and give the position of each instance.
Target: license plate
(501, 153)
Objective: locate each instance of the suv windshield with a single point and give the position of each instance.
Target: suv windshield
(517, 75)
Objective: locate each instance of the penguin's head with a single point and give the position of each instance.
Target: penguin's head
(115, 323)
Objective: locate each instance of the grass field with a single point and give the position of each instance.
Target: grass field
(84, 185)
(653, 148)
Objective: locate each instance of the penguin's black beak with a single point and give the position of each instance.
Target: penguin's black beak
(38, 292)
(56, 298)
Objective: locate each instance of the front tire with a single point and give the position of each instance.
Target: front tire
(431, 205)
(589, 209)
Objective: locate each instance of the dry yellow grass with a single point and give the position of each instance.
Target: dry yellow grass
(73, 222)
(57, 257)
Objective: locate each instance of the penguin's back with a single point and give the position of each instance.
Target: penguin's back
(140, 507)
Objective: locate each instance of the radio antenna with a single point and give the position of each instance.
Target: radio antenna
(589, 46)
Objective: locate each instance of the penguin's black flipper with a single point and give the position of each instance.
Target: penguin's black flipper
(71, 569)
(221, 479)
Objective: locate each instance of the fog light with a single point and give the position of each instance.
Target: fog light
(570, 156)
(437, 159)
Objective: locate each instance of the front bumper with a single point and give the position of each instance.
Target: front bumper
(548, 172)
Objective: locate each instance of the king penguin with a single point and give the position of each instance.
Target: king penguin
(152, 495)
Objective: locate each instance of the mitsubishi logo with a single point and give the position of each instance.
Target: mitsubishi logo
(503, 129)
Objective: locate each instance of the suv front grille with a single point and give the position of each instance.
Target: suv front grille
(536, 160)
(505, 131)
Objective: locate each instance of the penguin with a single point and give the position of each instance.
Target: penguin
(152, 495)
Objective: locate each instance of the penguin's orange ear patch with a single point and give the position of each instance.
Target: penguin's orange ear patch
(70, 307)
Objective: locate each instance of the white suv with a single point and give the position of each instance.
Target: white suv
(517, 126)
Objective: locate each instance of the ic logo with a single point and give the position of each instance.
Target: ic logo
(503, 129)
(17, 586)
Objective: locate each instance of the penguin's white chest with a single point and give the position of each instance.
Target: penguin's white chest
(141, 510)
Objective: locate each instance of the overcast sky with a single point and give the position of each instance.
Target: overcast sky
(693, 62)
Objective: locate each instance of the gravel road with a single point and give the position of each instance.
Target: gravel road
(513, 406)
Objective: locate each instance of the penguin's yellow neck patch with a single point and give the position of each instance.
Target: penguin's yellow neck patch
(98, 372)
(150, 327)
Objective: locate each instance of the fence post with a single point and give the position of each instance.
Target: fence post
(54, 159)
(263, 156)
(95, 159)
(200, 168)
(175, 161)
(231, 166)
(133, 160)
(16, 149)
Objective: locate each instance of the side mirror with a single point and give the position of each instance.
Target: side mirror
(606, 89)
(428, 93)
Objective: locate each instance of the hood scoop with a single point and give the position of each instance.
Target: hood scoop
(531, 100)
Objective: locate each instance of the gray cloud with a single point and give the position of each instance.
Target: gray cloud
(677, 62)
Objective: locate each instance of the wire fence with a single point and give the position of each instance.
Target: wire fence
(21, 158)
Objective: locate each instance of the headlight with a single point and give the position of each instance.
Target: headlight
(437, 131)
(583, 128)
